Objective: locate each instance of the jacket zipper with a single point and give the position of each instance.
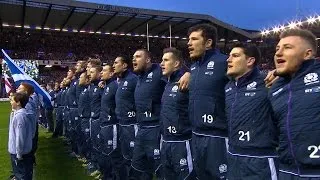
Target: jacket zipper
(288, 127)
(232, 107)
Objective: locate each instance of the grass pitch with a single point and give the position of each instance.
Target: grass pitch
(53, 163)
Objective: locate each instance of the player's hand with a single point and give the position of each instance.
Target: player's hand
(270, 79)
(101, 84)
(184, 82)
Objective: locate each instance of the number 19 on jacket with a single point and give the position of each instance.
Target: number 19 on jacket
(207, 118)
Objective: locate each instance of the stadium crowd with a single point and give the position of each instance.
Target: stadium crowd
(220, 118)
(72, 47)
(48, 45)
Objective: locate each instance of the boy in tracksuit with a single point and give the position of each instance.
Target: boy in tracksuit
(125, 108)
(176, 155)
(295, 101)
(32, 111)
(251, 129)
(20, 138)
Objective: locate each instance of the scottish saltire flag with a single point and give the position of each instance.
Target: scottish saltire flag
(19, 76)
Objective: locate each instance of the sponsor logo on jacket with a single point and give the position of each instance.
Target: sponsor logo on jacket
(311, 78)
(252, 86)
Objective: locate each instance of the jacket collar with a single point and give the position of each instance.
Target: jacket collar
(247, 77)
(95, 82)
(109, 80)
(149, 70)
(125, 74)
(207, 55)
(175, 76)
(305, 66)
(19, 111)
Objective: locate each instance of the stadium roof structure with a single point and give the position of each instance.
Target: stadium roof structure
(83, 17)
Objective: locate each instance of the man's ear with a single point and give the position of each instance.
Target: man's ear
(125, 65)
(208, 43)
(251, 61)
(308, 54)
(148, 59)
(177, 64)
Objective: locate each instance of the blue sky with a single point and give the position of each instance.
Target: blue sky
(247, 14)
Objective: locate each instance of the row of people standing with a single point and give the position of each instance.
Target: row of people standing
(222, 127)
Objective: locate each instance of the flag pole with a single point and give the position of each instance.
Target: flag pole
(148, 45)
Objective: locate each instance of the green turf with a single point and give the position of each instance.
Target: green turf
(5, 165)
(52, 161)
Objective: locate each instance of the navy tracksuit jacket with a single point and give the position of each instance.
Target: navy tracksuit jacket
(296, 105)
(252, 130)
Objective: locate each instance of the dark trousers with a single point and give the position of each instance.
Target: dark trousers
(35, 144)
(22, 169)
(146, 154)
(252, 168)
(84, 138)
(113, 165)
(176, 159)
(42, 117)
(49, 117)
(95, 146)
(210, 157)
(72, 128)
(65, 119)
(59, 126)
(126, 139)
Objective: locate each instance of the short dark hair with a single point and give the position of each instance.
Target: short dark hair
(72, 69)
(83, 64)
(94, 62)
(175, 52)
(208, 32)
(50, 85)
(146, 52)
(98, 68)
(126, 61)
(110, 66)
(304, 34)
(22, 98)
(29, 88)
(250, 50)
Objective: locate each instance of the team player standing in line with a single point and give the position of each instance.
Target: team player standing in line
(207, 103)
(176, 155)
(251, 127)
(125, 108)
(295, 101)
